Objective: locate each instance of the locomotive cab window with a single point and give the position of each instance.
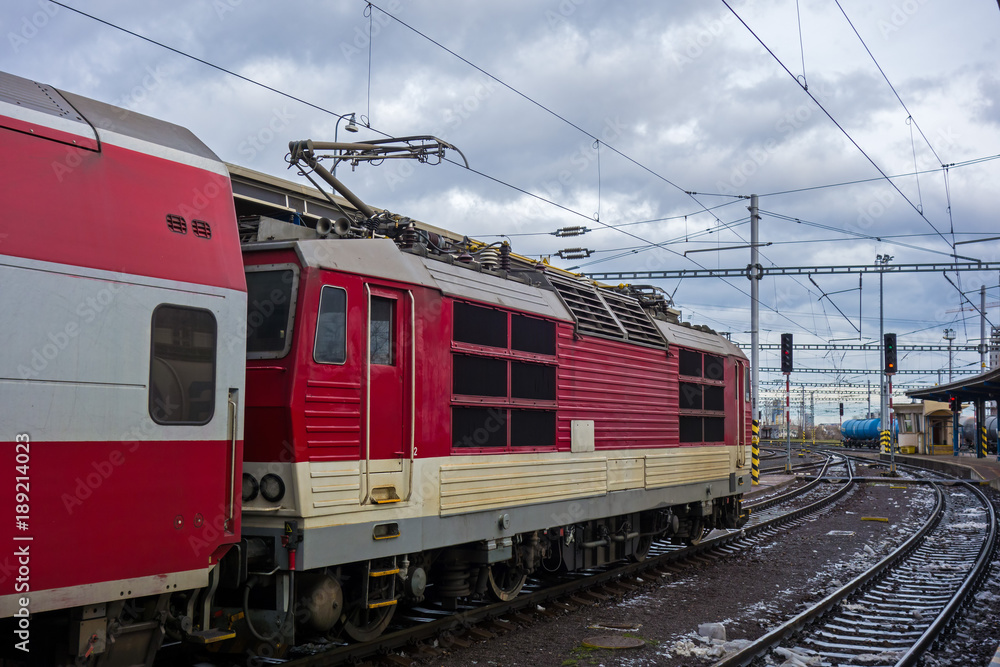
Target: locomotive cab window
(382, 336)
(331, 326)
(182, 365)
(271, 291)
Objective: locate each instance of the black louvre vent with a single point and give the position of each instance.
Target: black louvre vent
(635, 320)
(176, 223)
(201, 229)
(606, 313)
(592, 316)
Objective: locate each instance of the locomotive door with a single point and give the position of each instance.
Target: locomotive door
(389, 395)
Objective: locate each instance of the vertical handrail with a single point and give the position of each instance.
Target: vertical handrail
(413, 392)
(741, 433)
(231, 490)
(368, 395)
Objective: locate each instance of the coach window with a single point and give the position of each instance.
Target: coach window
(182, 366)
(383, 318)
(331, 327)
(271, 291)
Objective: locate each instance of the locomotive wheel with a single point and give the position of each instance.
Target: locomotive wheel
(505, 581)
(642, 549)
(364, 625)
(696, 532)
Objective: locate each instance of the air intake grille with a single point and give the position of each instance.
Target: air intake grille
(635, 320)
(592, 315)
(176, 223)
(606, 313)
(201, 229)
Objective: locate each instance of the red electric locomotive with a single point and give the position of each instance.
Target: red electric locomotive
(427, 417)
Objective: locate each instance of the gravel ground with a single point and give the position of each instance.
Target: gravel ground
(746, 593)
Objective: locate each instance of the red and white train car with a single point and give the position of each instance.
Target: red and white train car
(459, 424)
(425, 417)
(120, 275)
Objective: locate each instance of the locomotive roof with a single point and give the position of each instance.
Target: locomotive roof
(534, 288)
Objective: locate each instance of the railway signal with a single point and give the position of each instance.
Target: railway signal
(786, 353)
(890, 353)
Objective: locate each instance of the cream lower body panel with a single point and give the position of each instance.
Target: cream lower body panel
(459, 499)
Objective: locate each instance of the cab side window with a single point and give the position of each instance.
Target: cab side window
(331, 327)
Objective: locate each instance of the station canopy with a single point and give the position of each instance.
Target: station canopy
(982, 387)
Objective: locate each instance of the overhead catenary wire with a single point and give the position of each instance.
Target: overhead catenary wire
(325, 110)
(943, 168)
(840, 127)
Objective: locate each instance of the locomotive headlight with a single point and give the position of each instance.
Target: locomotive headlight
(250, 487)
(272, 488)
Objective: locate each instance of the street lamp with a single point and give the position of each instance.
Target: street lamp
(350, 127)
(949, 335)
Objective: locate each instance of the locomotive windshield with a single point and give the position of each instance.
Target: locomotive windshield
(270, 298)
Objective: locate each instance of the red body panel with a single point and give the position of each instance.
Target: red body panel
(629, 391)
(113, 511)
(108, 211)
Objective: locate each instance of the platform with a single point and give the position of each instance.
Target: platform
(965, 466)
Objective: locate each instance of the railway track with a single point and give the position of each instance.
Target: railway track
(430, 624)
(896, 610)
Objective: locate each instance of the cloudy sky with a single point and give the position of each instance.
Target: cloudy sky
(578, 112)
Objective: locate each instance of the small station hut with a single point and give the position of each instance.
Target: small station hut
(925, 427)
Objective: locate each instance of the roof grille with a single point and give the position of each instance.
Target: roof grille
(176, 223)
(633, 317)
(589, 311)
(605, 313)
(201, 229)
